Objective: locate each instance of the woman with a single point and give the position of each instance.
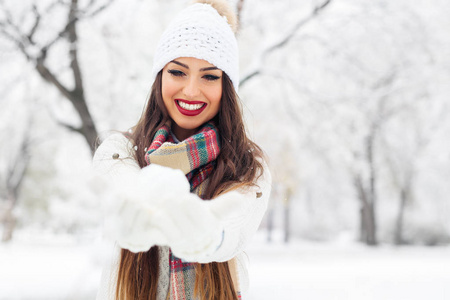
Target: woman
(171, 243)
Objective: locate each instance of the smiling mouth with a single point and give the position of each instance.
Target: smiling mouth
(190, 108)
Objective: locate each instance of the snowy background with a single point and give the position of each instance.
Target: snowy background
(349, 99)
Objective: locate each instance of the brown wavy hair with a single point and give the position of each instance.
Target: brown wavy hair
(237, 165)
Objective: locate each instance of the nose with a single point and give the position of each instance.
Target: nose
(192, 88)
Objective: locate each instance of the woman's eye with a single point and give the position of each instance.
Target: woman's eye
(176, 73)
(211, 77)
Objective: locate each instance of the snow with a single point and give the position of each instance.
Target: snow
(303, 270)
(64, 268)
(326, 84)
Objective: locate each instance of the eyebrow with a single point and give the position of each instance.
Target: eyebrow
(187, 67)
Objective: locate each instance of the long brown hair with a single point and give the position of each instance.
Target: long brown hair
(236, 165)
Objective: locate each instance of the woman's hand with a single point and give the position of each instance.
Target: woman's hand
(155, 207)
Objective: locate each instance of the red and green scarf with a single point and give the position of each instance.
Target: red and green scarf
(195, 156)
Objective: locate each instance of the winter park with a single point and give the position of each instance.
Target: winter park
(348, 100)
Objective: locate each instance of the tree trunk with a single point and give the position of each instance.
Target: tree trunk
(371, 228)
(37, 54)
(269, 224)
(367, 233)
(76, 95)
(399, 240)
(405, 194)
(88, 129)
(8, 219)
(14, 179)
(363, 210)
(286, 219)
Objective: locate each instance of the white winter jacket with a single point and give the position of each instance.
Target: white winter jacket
(237, 231)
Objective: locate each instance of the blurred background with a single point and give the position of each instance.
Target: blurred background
(349, 99)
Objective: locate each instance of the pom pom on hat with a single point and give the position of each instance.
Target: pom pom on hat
(224, 9)
(203, 30)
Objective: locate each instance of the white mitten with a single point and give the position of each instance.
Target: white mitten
(191, 228)
(195, 228)
(155, 207)
(133, 201)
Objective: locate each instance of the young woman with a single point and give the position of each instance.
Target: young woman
(190, 187)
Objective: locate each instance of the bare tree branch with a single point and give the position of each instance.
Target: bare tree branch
(73, 39)
(249, 76)
(14, 178)
(18, 168)
(18, 165)
(91, 3)
(70, 127)
(98, 10)
(61, 33)
(317, 10)
(49, 77)
(18, 42)
(12, 32)
(9, 19)
(9, 27)
(322, 6)
(35, 25)
(8, 35)
(28, 47)
(62, 123)
(75, 16)
(52, 5)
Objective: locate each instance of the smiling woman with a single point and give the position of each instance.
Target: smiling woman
(191, 90)
(189, 188)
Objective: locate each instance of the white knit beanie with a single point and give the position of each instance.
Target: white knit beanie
(199, 31)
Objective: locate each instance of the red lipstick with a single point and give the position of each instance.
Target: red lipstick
(187, 112)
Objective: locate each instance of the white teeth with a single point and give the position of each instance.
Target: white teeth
(190, 106)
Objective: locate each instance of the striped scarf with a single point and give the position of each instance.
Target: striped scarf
(196, 157)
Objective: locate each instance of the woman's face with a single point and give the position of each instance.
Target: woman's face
(191, 90)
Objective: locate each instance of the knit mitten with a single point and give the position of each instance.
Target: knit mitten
(155, 207)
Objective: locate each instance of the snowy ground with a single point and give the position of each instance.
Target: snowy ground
(348, 272)
(64, 269)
